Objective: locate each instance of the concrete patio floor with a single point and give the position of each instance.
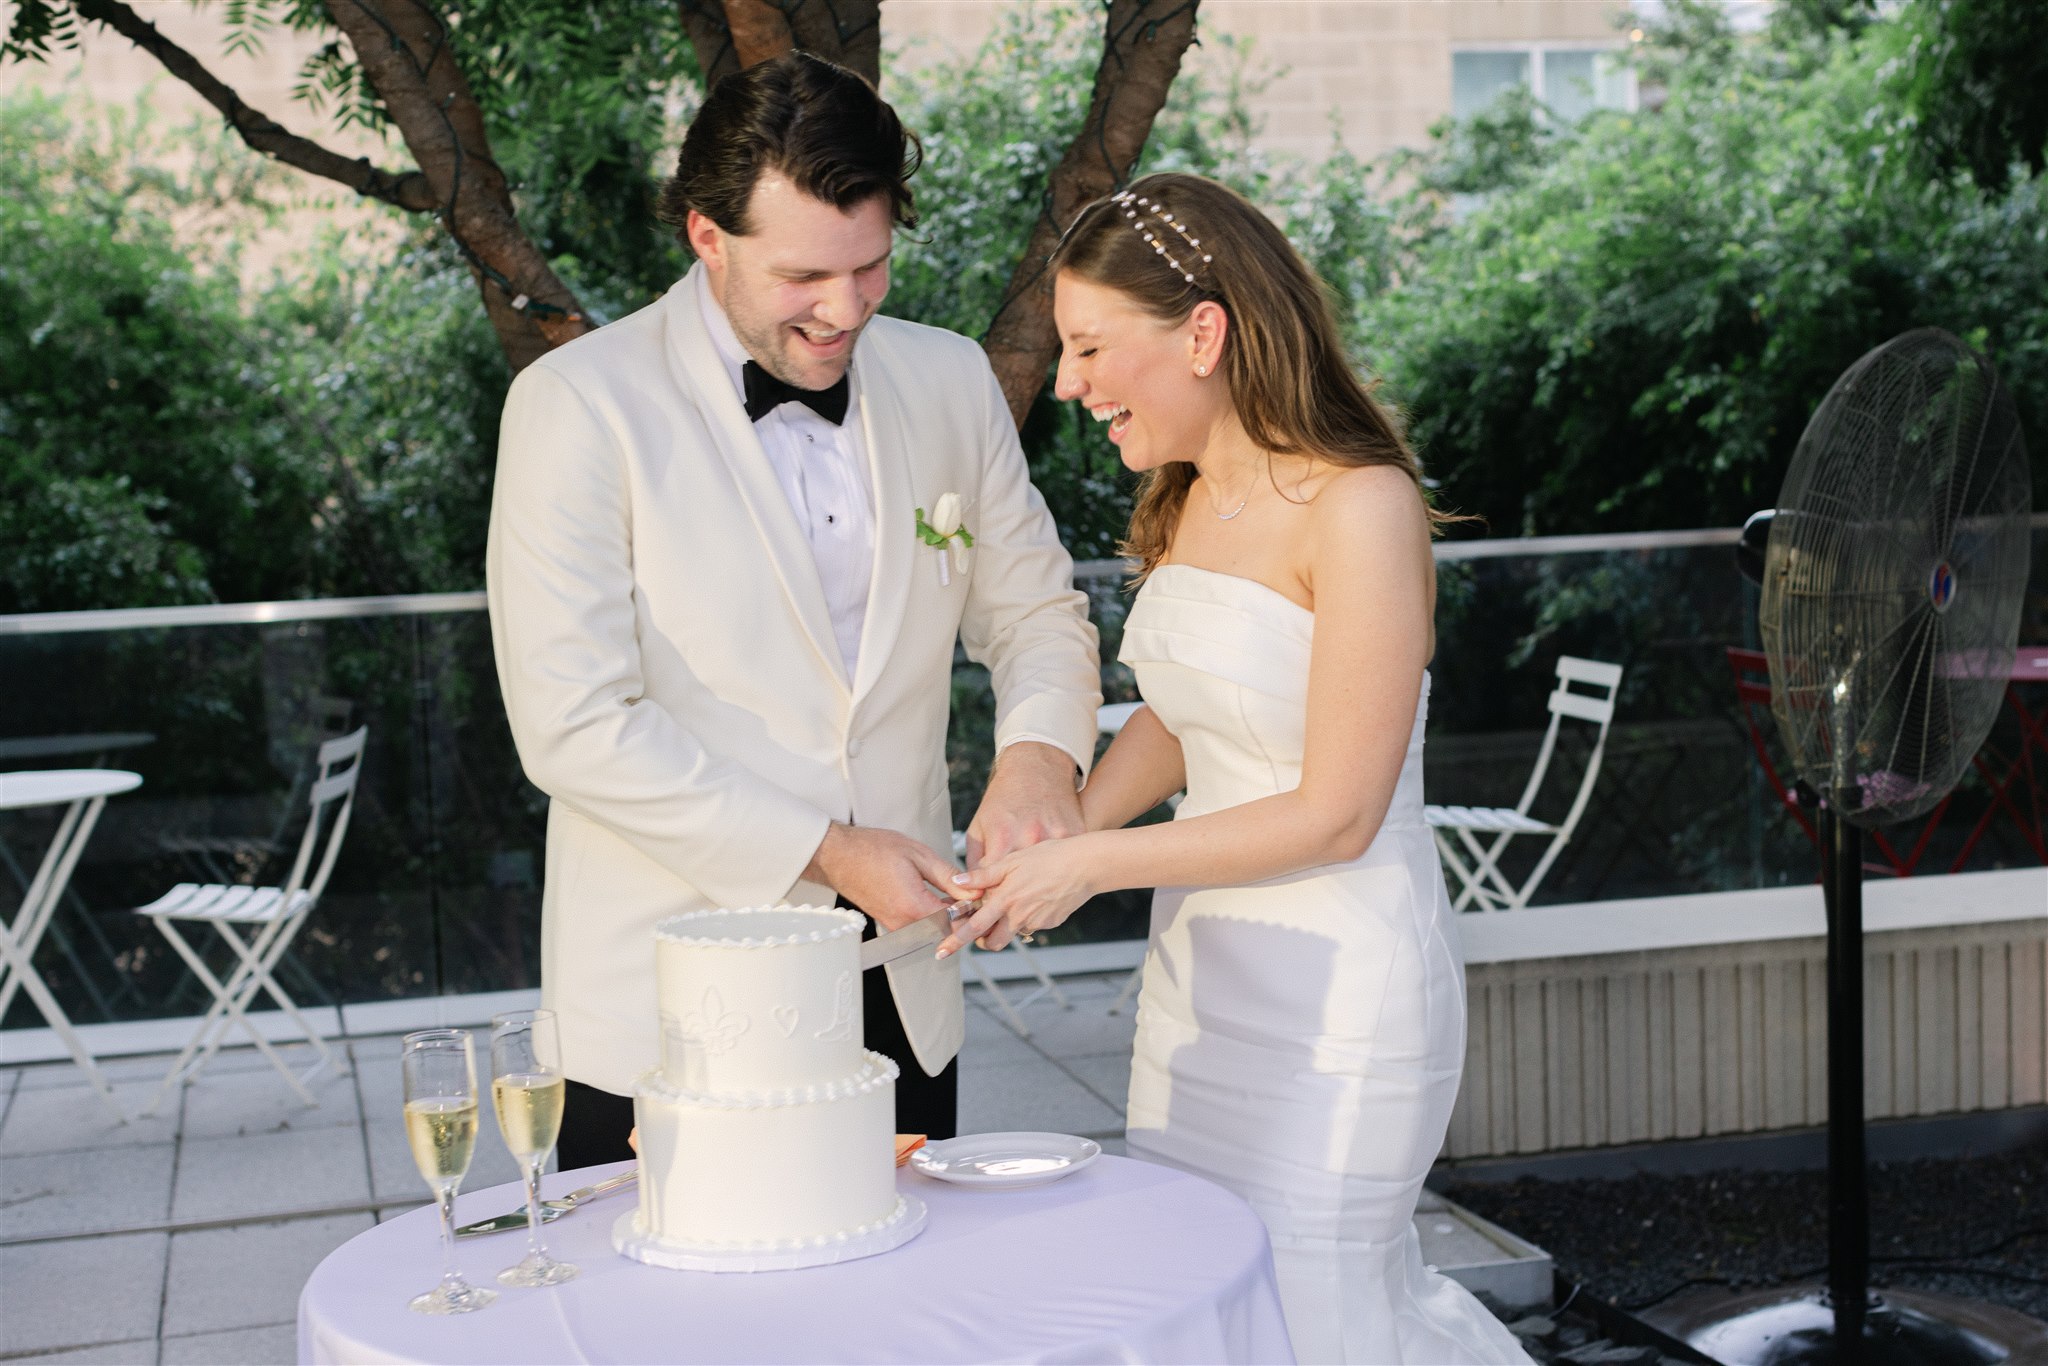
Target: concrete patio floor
(185, 1238)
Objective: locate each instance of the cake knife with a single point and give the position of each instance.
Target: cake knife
(550, 1210)
(923, 933)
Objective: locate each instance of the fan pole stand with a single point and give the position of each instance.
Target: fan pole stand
(1841, 876)
(1841, 1323)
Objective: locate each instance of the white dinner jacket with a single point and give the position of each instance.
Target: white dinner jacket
(669, 667)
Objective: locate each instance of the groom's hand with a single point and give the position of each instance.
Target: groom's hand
(1031, 797)
(887, 875)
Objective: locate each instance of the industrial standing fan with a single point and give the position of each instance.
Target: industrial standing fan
(1893, 572)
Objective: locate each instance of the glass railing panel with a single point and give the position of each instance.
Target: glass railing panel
(438, 887)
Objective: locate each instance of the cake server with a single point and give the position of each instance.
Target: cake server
(924, 933)
(550, 1210)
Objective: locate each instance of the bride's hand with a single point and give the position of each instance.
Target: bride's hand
(1021, 893)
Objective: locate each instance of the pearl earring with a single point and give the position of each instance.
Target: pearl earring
(1201, 369)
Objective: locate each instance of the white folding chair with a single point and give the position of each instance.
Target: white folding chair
(1476, 862)
(1046, 985)
(273, 915)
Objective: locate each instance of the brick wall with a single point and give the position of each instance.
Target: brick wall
(1382, 67)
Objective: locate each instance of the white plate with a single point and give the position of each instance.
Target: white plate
(1009, 1159)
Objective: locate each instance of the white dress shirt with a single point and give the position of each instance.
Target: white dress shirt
(823, 470)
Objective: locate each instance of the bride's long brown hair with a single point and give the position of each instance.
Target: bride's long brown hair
(1293, 386)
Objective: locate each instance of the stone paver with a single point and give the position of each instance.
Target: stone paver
(85, 1191)
(275, 1342)
(1088, 1030)
(1108, 1076)
(67, 1118)
(248, 1276)
(225, 1104)
(139, 1352)
(148, 1067)
(264, 1173)
(1030, 1095)
(81, 1292)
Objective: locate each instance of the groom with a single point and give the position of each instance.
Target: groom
(724, 639)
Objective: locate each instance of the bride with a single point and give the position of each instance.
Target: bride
(1302, 1023)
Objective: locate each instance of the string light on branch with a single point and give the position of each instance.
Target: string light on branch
(521, 302)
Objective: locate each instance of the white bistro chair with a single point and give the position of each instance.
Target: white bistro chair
(271, 916)
(1483, 832)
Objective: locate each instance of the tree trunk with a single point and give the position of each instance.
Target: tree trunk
(710, 38)
(403, 46)
(731, 35)
(848, 32)
(1143, 43)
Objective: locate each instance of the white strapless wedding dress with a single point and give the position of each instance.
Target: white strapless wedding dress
(1300, 1039)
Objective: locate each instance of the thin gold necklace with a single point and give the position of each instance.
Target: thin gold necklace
(1241, 504)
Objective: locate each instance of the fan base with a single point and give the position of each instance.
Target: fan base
(1795, 1326)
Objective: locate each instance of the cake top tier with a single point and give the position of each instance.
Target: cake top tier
(759, 927)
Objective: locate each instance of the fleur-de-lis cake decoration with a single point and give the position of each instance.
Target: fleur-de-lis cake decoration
(947, 533)
(712, 1027)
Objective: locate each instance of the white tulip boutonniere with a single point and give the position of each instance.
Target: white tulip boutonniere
(946, 533)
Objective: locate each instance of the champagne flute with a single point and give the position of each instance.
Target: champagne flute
(527, 1087)
(440, 1124)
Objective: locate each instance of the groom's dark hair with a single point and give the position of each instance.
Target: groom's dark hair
(819, 124)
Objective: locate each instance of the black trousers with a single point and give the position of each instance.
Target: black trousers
(595, 1123)
(924, 1105)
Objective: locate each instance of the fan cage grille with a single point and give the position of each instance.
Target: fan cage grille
(1895, 576)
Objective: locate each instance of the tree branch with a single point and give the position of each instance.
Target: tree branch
(407, 189)
(730, 35)
(848, 32)
(711, 36)
(759, 31)
(1142, 46)
(403, 48)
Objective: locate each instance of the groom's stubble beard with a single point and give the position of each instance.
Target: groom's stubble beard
(769, 342)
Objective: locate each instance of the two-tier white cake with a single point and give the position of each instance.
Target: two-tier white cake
(768, 1133)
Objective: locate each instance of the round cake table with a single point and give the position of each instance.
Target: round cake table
(1122, 1261)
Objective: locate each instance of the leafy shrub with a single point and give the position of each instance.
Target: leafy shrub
(143, 459)
(1632, 333)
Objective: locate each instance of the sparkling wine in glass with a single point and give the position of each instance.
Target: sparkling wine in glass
(440, 1124)
(527, 1087)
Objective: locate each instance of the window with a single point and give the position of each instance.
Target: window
(1570, 81)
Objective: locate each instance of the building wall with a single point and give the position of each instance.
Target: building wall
(108, 69)
(1574, 1049)
(1382, 67)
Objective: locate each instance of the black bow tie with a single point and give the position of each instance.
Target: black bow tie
(765, 394)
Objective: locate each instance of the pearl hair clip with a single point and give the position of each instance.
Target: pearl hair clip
(1127, 200)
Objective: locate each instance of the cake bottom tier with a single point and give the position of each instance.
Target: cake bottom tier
(771, 1174)
(631, 1238)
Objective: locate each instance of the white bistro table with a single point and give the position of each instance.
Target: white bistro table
(82, 792)
(1122, 1261)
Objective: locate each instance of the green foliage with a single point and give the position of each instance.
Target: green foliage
(1633, 333)
(396, 379)
(995, 123)
(1976, 77)
(168, 435)
(582, 98)
(1501, 146)
(1626, 323)
(142, 458)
